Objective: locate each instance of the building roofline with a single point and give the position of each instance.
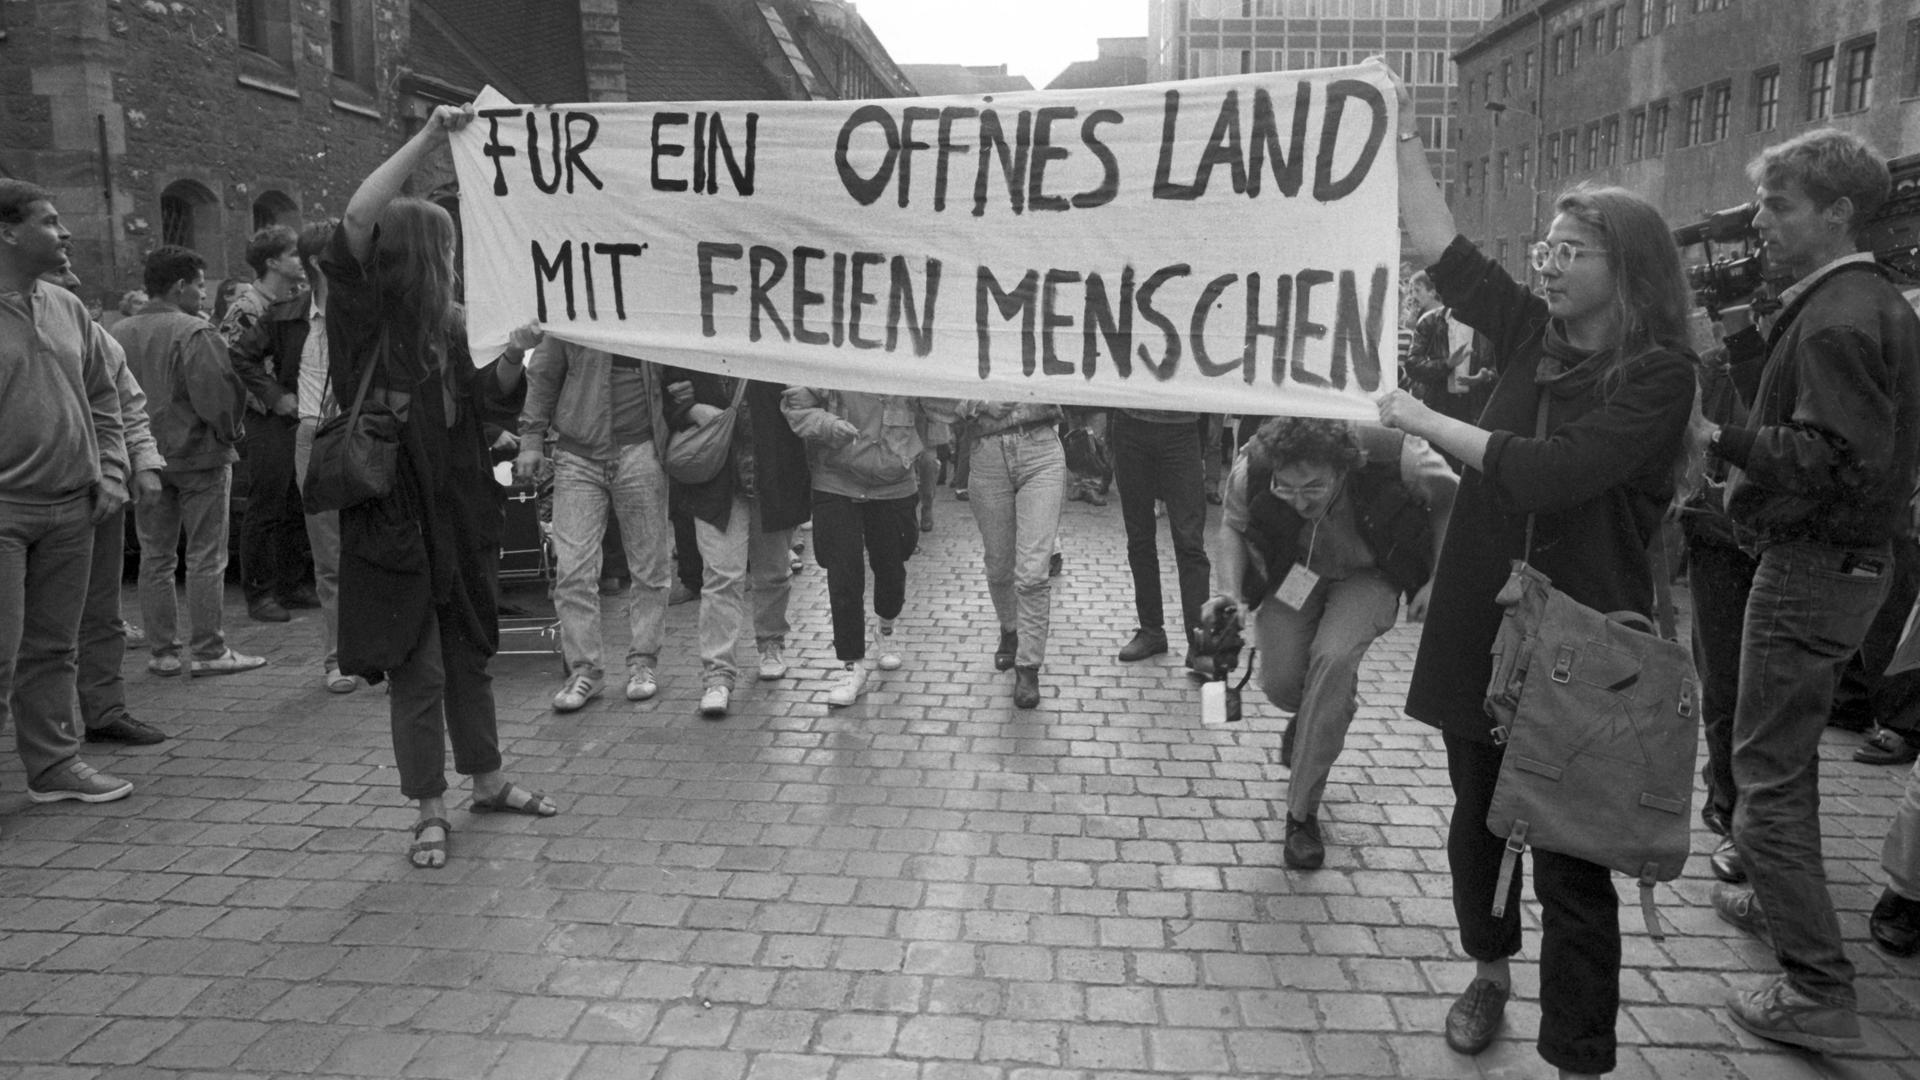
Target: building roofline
(1500, 31)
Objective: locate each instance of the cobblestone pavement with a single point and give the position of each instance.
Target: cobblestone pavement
(926, 886)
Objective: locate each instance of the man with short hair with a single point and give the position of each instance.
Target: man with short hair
(607, 419)
(283, 357)
(102, 641)
(1821, 473)
(196, 403)
(62, 471)
(272, 571)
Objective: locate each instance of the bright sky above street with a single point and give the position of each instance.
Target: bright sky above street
(1035, 38)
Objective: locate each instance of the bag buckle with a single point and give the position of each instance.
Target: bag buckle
(1500, 733)
(1563, 664)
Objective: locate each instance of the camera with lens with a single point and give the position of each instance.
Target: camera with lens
(1724, 280)
(1217, 644)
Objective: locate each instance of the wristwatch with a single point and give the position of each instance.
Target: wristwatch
(1713, 441)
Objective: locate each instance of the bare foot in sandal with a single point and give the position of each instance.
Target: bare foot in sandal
(431, 836)
(494, 793)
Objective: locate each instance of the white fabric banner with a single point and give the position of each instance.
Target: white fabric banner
(1220, 245)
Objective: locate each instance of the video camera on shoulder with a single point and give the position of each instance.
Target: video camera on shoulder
(1730, 279)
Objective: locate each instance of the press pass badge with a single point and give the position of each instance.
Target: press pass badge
(1299, 584)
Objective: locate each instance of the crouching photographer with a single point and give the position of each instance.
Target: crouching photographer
(1324, 525)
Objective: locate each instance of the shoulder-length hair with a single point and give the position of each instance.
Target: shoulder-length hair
(411, 267)
(1650, 293)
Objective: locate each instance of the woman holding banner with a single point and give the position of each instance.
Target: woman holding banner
(418, 567)
(1603, 353)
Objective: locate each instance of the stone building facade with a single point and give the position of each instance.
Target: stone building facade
(1670, 98)
(194, 121)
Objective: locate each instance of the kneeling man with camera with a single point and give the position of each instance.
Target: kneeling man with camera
(1325, 525)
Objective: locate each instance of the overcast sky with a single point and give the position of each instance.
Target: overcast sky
(1035, 38)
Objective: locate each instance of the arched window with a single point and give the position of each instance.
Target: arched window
(275, 208)
(189, 216)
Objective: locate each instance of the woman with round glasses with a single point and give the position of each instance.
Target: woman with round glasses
(1602, 346)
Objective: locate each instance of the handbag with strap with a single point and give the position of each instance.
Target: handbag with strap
(1599, 716)
(355, 455)
(696, 454)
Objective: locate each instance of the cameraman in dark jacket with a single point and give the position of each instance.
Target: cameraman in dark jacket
(1323, 527)
(1821, 474)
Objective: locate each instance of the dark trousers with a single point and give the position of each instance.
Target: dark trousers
(1162, 462)
(275, 530)
(850, 535)
(103, 645)
(1719, 576)
(1865, 695)
(1579, 918)
(442, 692)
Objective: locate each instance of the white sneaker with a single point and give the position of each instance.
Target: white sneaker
(884, 645)
(851, 684)
(772, 664)
(713, 703)
(580, 689)
(641, 685)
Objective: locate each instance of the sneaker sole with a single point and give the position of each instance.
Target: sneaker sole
(559, 708)
(1825, 1044)
(644, 695)
(120, 792)
(202, 672)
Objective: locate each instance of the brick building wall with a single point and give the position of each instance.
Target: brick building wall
(152, 120)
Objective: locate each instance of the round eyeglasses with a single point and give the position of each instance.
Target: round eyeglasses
(1560, 256)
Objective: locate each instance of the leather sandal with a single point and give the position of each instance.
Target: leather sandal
(502, 803)
(426, 847)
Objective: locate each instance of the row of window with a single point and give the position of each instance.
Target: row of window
(1597, 35)
(1419, 67)
(265, 27)
(1339, 9)
(1706, 116)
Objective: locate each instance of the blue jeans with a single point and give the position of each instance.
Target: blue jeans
(195, 503)
(1900, 855)
(1162, 461)
(1019, 481)
(634, 487)
(44, 551)
(730, 557)
(102, 642)
(1310, 666)
(1806, 614)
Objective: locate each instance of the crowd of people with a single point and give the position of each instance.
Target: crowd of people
(1562, 422)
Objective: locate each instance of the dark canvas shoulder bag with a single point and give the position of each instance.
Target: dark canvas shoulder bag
(355, 454)
(696, 454)
(1600, 719)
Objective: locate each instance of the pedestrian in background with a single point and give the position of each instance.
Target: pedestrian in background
(197, 406)
(862, 455)
(1019, 485)
(63, 471)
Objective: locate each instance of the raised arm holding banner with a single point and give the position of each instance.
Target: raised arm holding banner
(1219, 245)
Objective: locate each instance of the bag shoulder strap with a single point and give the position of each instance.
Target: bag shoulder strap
(739, 390)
